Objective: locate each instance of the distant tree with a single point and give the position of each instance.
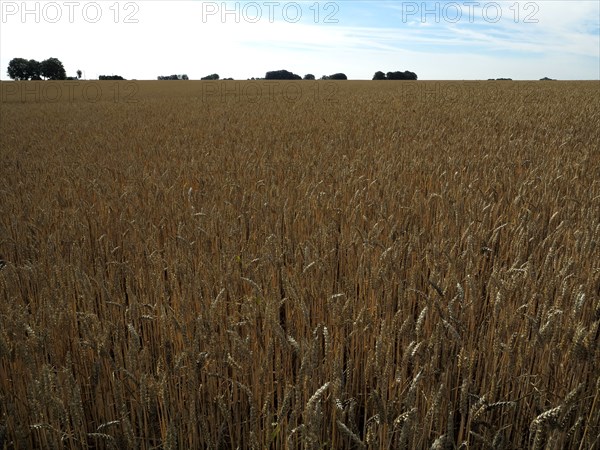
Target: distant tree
(406, 75)
(111, 78)
(282, 75)
(337, 76)
(227, 79)
(170, 77)
(325, 77)
(184, 77)
(18, 69)
(52, 69)
(379, 75)
(309, 76)
(547, 79)
(214, 76)
(79, 73)
(22, 69)
(34, 70)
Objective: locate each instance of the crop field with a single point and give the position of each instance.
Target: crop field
(300, 265)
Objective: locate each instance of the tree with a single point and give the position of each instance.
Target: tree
(79, 73)
(173, 77)
(18, 69)
(337, 76)
(406, 75)
(34, 70)
(214, 76)
(309, 76)
(282, 75)
(22, 69)
(111, 78)
(52, 69)
(379, 75)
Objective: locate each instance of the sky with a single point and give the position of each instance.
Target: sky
(444, 40)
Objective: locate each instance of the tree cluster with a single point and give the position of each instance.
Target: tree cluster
(282, 75)
(335, 76)
(23, 69)
(111, 77)
(52, 69)
(173, 77)
(406, 75)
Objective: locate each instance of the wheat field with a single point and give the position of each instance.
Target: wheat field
(300, 265)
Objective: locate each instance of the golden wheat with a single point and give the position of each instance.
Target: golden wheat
(364, 265)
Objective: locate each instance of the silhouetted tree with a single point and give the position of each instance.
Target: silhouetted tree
(79, 73)
(281, 75)
(22, 69)
(406, 75)
(34, 69)
(111, 78)
(214, 76)
(52, 69)
(309, 76)
(18, 69)
(337, 76)
(173, 77)
(379, 75)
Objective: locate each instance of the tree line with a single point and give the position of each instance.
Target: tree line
(173, 77)
(406, 75)
(53, 69)
(24, 69)
(286, 75)
(272, 75)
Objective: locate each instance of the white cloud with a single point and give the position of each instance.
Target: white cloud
(176, 37)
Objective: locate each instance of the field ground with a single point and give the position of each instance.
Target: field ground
(300, 265)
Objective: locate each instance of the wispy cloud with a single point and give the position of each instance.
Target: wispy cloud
(527, 39)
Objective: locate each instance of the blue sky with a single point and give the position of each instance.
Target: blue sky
(437, 40)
